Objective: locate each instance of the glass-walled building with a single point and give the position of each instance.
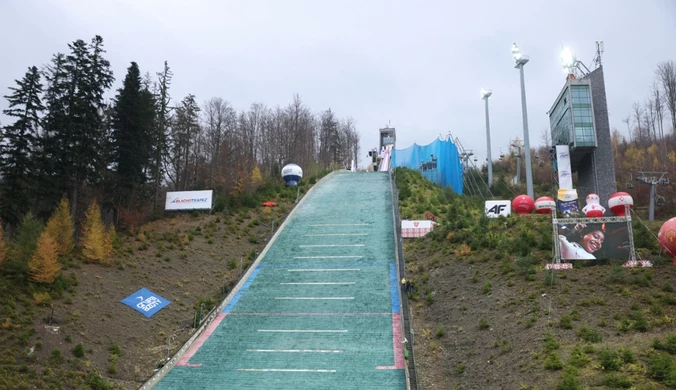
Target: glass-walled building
(572, 117)
(583, 116)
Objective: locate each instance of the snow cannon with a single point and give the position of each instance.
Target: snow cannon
(523, 204)
(667, 237)
(292, 173)
(617, 202)
(544, 205)
(593, 209)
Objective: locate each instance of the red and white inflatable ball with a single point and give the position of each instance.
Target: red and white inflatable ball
(617, 202)
(523, 204)
(667, 237)
(544, 205)
(593, 209)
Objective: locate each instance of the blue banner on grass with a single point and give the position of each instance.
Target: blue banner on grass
(145, 302)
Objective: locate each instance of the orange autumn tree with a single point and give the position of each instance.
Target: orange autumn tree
(60, 227)
(96, 243)
(44, 266)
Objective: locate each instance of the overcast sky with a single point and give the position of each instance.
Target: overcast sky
(418, 64)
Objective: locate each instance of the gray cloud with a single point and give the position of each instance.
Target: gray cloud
(418, 64)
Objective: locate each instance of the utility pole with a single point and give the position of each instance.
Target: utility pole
(517, 144)
(652, 179)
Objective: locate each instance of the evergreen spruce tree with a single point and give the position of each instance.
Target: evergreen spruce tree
(52, 149)
(23, 247)
(60, 227)
(17, 151)
(74, 128)
(132, 127)
(44, 267)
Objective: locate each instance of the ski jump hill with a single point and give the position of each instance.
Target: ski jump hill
(320, 307)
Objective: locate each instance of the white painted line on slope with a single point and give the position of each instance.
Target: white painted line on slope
(336, 234)
(340, 224)
(317, 283)
(328, 257)
(322, 269)
(328, 245)
(297, 350)
(283, 370)
(312, 298)
(303, 330)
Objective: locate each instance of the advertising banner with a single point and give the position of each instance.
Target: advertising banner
(563, 166)
(415, 228)
(145, 302)
(496, 208)
(585, 240)
(189, 200)
(567, 203)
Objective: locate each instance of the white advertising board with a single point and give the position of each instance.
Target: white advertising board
(189, 200)
(496, 208)
(416, 228)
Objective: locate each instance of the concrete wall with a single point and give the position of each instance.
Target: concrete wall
(596, 173)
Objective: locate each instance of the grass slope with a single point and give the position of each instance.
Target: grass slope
(91, 341)
(487, 315)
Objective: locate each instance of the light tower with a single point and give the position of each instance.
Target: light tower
(522, 60)
(485, 94)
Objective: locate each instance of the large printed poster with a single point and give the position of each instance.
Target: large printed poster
(595, 240)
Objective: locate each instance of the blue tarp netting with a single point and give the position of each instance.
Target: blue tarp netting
(446, 172)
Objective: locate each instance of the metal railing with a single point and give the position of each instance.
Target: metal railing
(405, 313)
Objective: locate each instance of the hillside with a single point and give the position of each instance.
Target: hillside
(94, 341)
(486, 314)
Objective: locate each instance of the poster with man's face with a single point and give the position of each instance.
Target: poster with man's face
(592, 241)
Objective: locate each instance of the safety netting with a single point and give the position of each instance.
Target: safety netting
(439, 162)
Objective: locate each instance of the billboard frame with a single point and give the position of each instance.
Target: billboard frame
(557, 261)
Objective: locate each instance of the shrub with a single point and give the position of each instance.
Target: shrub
(78, 351)
(627, 355)
(662, 367)
(566, 322)
(550, 342)
(487, 287)
(617, 381)
(589, 335)
(640, 322)
(483, 324)
(440, 333)
(577, 357)
(668, 345)
(42, 298)
(114, 349)
(220, 203)
(3, 246)
(610, 360)
(552, 361)
(56, 357)
(95, 382)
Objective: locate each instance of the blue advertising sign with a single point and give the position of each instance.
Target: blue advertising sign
(145, 302)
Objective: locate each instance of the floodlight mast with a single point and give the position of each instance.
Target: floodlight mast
(522, 60)
(485, 94)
